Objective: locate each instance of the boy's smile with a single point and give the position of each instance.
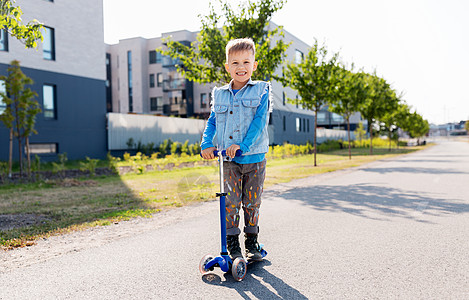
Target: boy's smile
(241, 65)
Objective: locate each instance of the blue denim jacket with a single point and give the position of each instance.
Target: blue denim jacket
(240, 118)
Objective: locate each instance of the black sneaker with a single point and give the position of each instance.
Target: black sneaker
(234, 249)
(252, 247)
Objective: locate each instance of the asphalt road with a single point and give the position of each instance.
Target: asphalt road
(392, 229)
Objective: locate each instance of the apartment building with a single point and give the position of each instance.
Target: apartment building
(143, 81)
(69, 77)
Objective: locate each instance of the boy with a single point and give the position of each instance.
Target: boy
(239, 118)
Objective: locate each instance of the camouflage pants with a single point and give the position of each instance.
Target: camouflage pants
(243, 184)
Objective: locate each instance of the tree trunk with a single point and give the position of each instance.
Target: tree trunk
(389, 136)
(28, 157)
(10, 158)
(20, 156)
(315, 134)
(18, 135)
(371, 136)
(348, 131)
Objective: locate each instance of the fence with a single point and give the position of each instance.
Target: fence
(147, 129)
(332, 134)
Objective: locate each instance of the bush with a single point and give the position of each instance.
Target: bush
(3, 171)
(89, 165)
(127, 156)
(165, 147)
(176, 148)
(403, 144)
(194, 149)
(59, 168)
(185, 147)
(330, 145)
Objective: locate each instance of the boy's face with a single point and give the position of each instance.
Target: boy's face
(240, 65)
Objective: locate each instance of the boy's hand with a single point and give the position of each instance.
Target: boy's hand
(208, 153)
(231, 151)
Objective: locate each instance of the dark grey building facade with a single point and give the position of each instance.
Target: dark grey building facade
(69, 77)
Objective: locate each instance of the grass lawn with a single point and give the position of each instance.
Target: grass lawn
(61, 206)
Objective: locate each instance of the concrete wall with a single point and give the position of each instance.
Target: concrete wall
(155, 129)
(147, 128)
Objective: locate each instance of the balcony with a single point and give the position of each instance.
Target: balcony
(174, 85)
(170, 62)
(179, 109)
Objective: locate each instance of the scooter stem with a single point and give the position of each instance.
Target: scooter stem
(222, 209)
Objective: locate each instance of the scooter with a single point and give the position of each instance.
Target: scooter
(223, 261)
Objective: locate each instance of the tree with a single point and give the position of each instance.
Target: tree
(349, 91)
(10, 19)
(418, 126)
(379, 99)
(315, 79)
(393, 119)
(203, 61)
(20, 113)
(360, 132)
(466, 126)
(402, 116)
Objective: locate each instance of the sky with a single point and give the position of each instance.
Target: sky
(421, 47)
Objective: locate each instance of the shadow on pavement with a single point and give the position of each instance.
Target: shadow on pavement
(413, 170)
(363, 199)
(263, 285)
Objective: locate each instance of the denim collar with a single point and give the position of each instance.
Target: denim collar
(228, 86)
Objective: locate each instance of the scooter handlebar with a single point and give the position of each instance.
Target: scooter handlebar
(223, 153)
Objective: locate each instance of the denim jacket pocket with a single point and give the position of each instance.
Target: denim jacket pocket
(251, 102)
(220, 109)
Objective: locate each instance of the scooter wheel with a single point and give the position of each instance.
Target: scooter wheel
(238, 269)
(203, 263)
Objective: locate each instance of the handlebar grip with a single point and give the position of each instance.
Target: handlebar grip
(223, 153)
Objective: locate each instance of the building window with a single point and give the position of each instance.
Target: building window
(203, 100)
(129, 75)
(298, 56)
(50, 148)
(298, 124)
(49, 101)
(154, 57)
(3, 40)
(337, 118)
(321, 117)
(284, 123)
(307, 124)
(3, 90)
(48, 44)
(159, 79)
(284, 98)
(270, 119)
(152, 80)
(156, 103)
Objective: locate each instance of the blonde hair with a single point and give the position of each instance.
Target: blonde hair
(237, 45)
